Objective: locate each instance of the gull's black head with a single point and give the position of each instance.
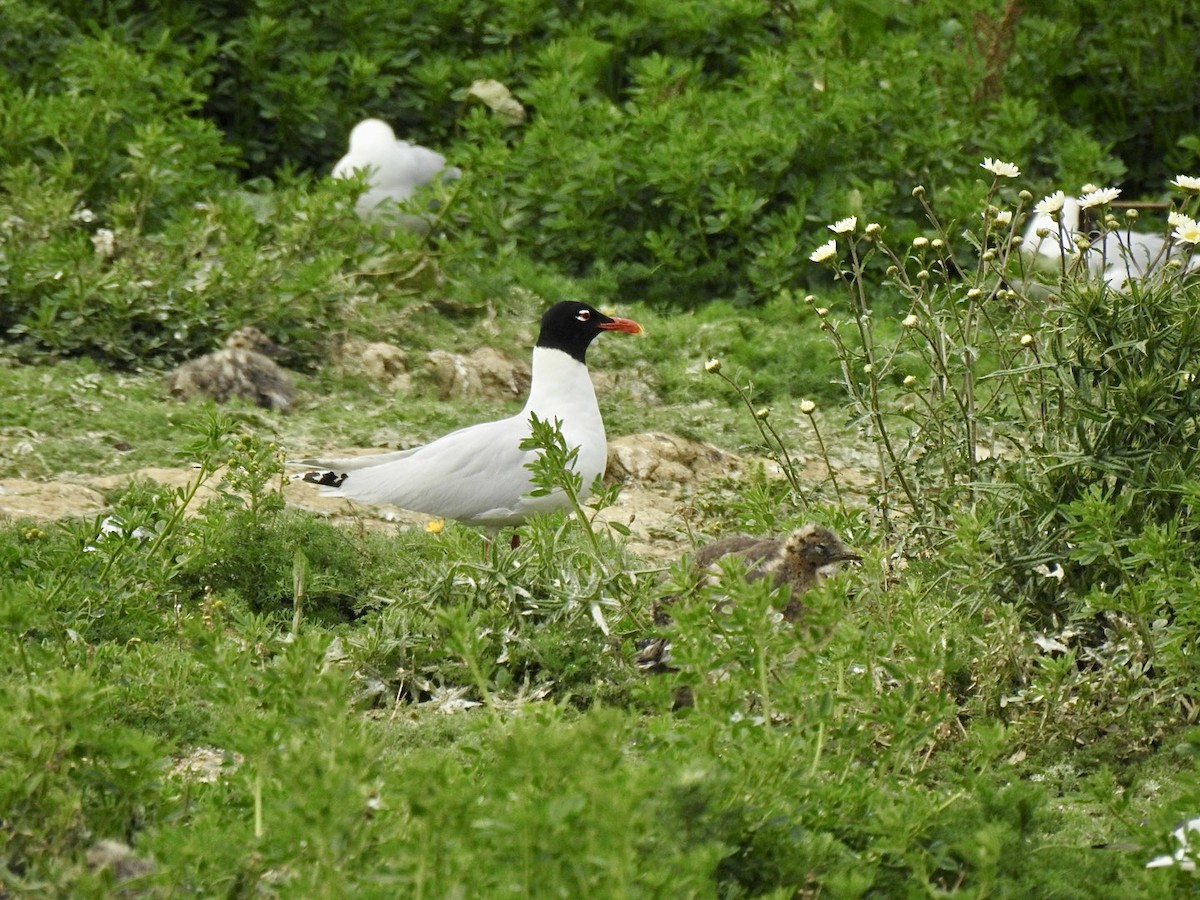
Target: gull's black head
(571, 326)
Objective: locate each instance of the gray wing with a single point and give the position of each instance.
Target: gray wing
(476, 474)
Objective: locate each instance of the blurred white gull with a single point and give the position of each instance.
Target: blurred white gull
(1120, 255)
(1184, 855)
(394, 169)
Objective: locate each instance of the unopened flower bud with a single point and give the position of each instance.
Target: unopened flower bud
(918, 191)
(713, 365)
(892, 271)
(910, 381)
(762, 412)
(910, 321)
(923, 275)
(974, 294)
(810, 299)
(807, 407)
(868, 368)
(1026, 340)
(1025, 196)
(1131, 214)
(920, 242)
(822, 311)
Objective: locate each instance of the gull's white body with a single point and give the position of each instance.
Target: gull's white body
(477, 474)
(1130, 255)
(394, 168)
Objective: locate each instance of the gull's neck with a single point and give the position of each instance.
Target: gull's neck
(560, 386)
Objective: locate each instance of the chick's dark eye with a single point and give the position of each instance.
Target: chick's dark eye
(583, 315)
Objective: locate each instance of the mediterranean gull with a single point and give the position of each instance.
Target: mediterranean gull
(394, 169)
(478, 475)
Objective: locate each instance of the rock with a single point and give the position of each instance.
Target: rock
(657, 456)
(481, 373)
(381, 362)
(119, 858)
(243, 368)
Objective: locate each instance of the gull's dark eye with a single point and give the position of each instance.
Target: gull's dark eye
(583, 315)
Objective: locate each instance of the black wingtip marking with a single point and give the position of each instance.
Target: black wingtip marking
(326, 479)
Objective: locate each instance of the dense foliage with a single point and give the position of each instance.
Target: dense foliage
(673, 152)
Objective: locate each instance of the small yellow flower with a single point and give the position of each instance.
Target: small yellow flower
(713, 365)
(807, 407)
(435, 526)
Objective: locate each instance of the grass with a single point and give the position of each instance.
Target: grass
(428, 723)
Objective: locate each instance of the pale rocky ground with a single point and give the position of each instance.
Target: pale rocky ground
(661, 474)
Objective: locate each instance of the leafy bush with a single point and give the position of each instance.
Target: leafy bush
(1047, 445)
(672, 153)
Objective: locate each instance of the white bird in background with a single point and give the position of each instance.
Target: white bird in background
(478, 474)
(1120, 255)
(394, 169)
(1185, 853)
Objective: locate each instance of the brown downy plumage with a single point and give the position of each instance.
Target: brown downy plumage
(242, 368)
(799, 561)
